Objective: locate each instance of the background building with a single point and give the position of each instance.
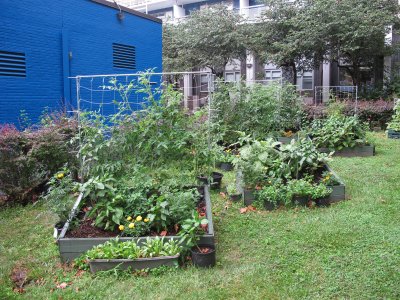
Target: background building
(308, 82)
(42, 43)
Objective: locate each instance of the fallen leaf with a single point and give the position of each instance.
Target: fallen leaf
(163, 233)
(176, 227)
(222, 194)
(19, 276)
(243, 210)
(251, 208)
(62, 285)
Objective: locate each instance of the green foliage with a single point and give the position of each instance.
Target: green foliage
(302, 34)
(115, 249)
(60, 196)
(283, 193)
(261, 161)
(338, 132)
(191, 230)
(259, 111)
(394, 124)
(209, 38)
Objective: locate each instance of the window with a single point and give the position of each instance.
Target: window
(305, 80)
(273, 75)
(204, 82)
(124, 56)
(12, 64)
(232, 76)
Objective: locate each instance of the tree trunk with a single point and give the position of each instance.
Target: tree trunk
(289, 72)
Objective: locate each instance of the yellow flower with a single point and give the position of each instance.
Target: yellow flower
(138, 218)
(121, 227)
(146, 220)
(60, 175)
(129, 218)
(131, 225)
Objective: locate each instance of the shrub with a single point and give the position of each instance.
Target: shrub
(29, 158)
(374, 112)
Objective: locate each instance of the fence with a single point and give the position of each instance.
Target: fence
(323, 94)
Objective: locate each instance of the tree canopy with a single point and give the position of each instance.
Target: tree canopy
(303, 33)
(208, 38)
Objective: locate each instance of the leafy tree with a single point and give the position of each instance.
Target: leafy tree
(209, 38)
(303, 33)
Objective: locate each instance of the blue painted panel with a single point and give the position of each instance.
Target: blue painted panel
(48, 32)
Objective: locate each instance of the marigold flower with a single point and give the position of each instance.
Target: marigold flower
(129, 218)
(131, 225)
(138, 218)
(121, 227)
(146, 220)
(60, 175)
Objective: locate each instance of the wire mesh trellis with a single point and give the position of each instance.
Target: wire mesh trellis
(132, 94)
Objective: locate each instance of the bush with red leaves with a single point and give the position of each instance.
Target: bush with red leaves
(28, 158)
(375, 112)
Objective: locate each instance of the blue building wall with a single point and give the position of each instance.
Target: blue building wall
(66, 38)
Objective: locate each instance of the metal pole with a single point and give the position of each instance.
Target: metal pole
(356, 108)
(78, 104)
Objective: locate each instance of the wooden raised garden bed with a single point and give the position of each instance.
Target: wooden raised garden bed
(338, 191)
(97, 265)
(356, 151)
(71, 248)
(393, 134)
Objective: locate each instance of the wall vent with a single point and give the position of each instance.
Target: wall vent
(124, 56)
(12, 64)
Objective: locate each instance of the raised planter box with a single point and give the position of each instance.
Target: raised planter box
(356, 151)
(393, 134)
(338, 191)
(71, 248)
(97, 265)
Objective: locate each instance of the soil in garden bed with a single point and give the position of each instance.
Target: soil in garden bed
(86, 228)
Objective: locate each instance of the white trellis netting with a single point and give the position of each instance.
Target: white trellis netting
(113, 94)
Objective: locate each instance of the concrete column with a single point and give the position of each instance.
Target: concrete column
(187, 89)
(250, 68)
(387, 68)
(243, 6)
(179, 12)
(326, 81)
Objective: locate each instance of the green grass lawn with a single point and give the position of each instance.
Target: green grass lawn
(349, 250)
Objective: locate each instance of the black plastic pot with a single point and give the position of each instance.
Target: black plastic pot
(323, 202)
(203, 260)
(301, 200)
(216, 179)
(235, 197)
(58, 228)
(248, 196)
(225, 166)
(268, 205)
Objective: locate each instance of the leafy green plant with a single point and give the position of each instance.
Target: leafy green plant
(338, 132)
(301, 157)
(305, 188)
(276, 193)
(329, 179)
(394, 124)
(115, 249)
(60, 195)
(191, 230)
(232, 189)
